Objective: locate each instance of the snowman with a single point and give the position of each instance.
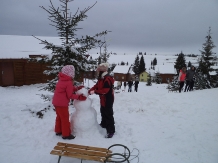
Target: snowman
(84, 119)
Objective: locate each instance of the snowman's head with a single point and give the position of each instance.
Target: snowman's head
(83, 91)
(82, 105)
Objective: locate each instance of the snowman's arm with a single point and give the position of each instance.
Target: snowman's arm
(70, 91)
(74, 89)
(74, 96)
(94, 87)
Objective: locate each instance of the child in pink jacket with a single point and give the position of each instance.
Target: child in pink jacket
(181, 78)
(64, 91)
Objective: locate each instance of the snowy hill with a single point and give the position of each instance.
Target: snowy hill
(13, 46)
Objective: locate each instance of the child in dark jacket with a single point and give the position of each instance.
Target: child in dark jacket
(130, 83)
(190, 79)
(104, 88)
(64, 91)
(136, 85)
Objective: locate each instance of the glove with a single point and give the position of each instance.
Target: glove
(82, 97)
(80, 87)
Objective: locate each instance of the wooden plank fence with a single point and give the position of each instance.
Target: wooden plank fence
(18, 72)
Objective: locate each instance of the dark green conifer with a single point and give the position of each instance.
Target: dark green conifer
(72, 50)
(180, 62)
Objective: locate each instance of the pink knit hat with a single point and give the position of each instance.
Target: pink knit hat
(68, 70)
(103, 67)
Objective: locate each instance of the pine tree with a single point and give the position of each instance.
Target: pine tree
(155, 61)
(206, 61)
(104, 55)
(93, 63)
(174, 84)
(189, 64)
(142, 65)
(180, 62)
(136, 66)
(201, 81)
(72, 50)
(149, 80)
(158, 78)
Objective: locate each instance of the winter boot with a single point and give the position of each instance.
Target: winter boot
(58, 133)
(68, 137)
(109, 135)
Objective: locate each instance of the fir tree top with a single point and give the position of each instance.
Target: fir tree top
(180, 62)
(73, 50)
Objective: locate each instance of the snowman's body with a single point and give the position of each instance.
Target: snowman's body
(84, 119)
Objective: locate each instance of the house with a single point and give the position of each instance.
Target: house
(166, 72)
(143, 76)
(123, 73)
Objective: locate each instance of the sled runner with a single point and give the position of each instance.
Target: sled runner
(90, 153)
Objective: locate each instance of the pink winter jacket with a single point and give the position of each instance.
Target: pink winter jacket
(64, 91)
(182, 76)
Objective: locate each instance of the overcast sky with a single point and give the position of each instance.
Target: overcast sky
(152, 26)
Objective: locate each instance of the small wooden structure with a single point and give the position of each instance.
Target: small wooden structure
(166, 77)
(23, 71)
(166, 73)
(123, 73)
(18, 72)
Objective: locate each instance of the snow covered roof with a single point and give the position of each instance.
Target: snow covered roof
(121, 69)
(165, 69)
(13, 46)
(151, 72)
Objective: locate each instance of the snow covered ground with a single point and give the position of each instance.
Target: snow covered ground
(164, 127)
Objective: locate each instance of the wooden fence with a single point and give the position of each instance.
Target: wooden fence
(18, 72)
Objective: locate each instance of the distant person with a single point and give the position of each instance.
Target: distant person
(136, 85)
(130, 83)
(119, 84)
(64, 92)
(124, 84)
(190, 79)
(181, 78)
